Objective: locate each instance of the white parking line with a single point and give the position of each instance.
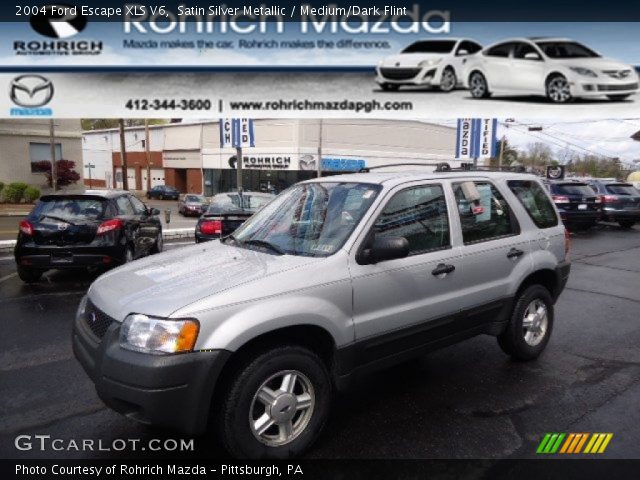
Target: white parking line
(7, 277)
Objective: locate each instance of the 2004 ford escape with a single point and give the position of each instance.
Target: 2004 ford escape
(335, 277)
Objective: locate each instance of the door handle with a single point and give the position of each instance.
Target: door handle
(515, 253)
(442, 269)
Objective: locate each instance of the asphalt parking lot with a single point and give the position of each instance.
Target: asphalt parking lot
(466, 401)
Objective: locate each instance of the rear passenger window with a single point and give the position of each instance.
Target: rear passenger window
(501, 50)
(420, 215)
(124, 206)
(484, 213)
(535, 201)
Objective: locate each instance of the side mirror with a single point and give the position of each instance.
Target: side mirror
(462, 52)
(154, 211)
(532, 56)
(385, 248)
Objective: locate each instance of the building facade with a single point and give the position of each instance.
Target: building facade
(25, 149)
(188, 156)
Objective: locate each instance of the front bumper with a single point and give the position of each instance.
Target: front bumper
(597, 87)
(48, 256)
(429, 75)
(171, 391)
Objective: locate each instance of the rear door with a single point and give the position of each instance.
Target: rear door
(148, 226)
(131, 222)
(527, 74)
(497, 63)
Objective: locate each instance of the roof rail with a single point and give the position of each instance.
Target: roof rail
(487, 168)
(440, 167)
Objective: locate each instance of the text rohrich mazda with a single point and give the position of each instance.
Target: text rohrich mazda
(560, 69)
(436, 63)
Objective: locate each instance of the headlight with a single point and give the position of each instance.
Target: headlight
(142, 333)
(429, 63)
(584, 71)
(82, 307)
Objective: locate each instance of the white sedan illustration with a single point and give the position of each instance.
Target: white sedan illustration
(558, 68)
(437, 63)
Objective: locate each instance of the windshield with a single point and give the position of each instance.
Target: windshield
(230, 202)
(444, 46)
(71, 209)
(622, 189)
(313, 219)
(194, 198)
(566, 50)
(574, 189)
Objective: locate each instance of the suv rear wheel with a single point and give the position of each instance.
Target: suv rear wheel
(277, 404)
(529, 328)
(626, 224)
(29, 275)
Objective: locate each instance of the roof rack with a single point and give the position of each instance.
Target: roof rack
(445, 167)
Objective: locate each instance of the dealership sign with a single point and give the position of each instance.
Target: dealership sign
(476, 138)
(237, 133)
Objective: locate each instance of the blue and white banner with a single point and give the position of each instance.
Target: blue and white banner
(476, 138)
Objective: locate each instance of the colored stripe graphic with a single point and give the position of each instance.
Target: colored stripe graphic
(573, 443)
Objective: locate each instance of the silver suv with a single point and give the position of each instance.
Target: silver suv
(334, 278)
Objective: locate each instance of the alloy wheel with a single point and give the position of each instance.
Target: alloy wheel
(478, 85)
(448, 80)
(559, 90)
(282, 408)
(535, 322)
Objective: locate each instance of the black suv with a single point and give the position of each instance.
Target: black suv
(620, 202)
(577, 202)
(163, 192)
(94, 229)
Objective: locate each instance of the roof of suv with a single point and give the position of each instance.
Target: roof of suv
(89, 193)
(399, 177)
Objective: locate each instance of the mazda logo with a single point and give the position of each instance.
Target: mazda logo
(54, 22)
(31, 91)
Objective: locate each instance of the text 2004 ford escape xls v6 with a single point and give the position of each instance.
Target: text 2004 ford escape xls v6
(333, 278)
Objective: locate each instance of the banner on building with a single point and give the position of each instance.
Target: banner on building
(476, 138)
(237, 133)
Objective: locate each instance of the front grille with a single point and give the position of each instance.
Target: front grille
(617, 73)
(617, 88)
(97, 321)
(399, 73)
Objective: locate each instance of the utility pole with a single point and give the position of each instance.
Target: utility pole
(319, 163)
(239, 170)
(147, 152)
(501, 155)
(123, 156)
(52, 144)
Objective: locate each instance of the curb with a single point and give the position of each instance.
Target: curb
(6, 246)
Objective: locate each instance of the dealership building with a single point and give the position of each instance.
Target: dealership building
(188, 156)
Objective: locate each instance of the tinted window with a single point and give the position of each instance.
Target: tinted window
(535, 201)
(522, 49)
(124, 206)
(420, 215)
(484, 213)
(232, 202)
(138, 206)
(566, 50)
(193, 198)
(622, 189)
(471, 47)
(70, 208)
(572, 189)
(430, 46)
(501, 50)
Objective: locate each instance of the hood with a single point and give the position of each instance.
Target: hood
(597, 63)
(161, 284)
(410, 59)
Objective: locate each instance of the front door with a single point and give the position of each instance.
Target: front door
(402, 304)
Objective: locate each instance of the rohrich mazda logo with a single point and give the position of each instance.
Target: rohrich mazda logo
(58, 21)
(32, 93)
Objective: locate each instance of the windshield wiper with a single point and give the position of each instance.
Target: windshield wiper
(264, 243)
(60, 219)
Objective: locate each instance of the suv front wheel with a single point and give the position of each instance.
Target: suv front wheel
(529, 328)
(276, 405)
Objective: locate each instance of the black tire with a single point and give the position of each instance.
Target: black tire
(618, 98)
(236, 405)
(626, 224)
(478, 86)
(512, 340)
(451, 83)
(29, 275)
(558, 89)
(389, 87)
(158, 246)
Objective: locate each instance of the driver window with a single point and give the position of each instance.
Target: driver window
(418, 214)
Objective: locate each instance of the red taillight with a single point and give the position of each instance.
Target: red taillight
(109, 226)
(211, 227)
(567, 243)
(609, 198)
(560, 199)
(26, 227)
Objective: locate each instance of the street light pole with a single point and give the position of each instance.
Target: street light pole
(147, 152)
(123, 156)
(319, 163)
(52, 144)
(239, 169)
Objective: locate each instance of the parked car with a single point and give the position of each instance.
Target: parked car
(193, 205)
(163, 192)
(558, 68)
(579, 206)
(89, 230)
(436, 63)
(620, 202)
(334, 278)
(227, 211)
